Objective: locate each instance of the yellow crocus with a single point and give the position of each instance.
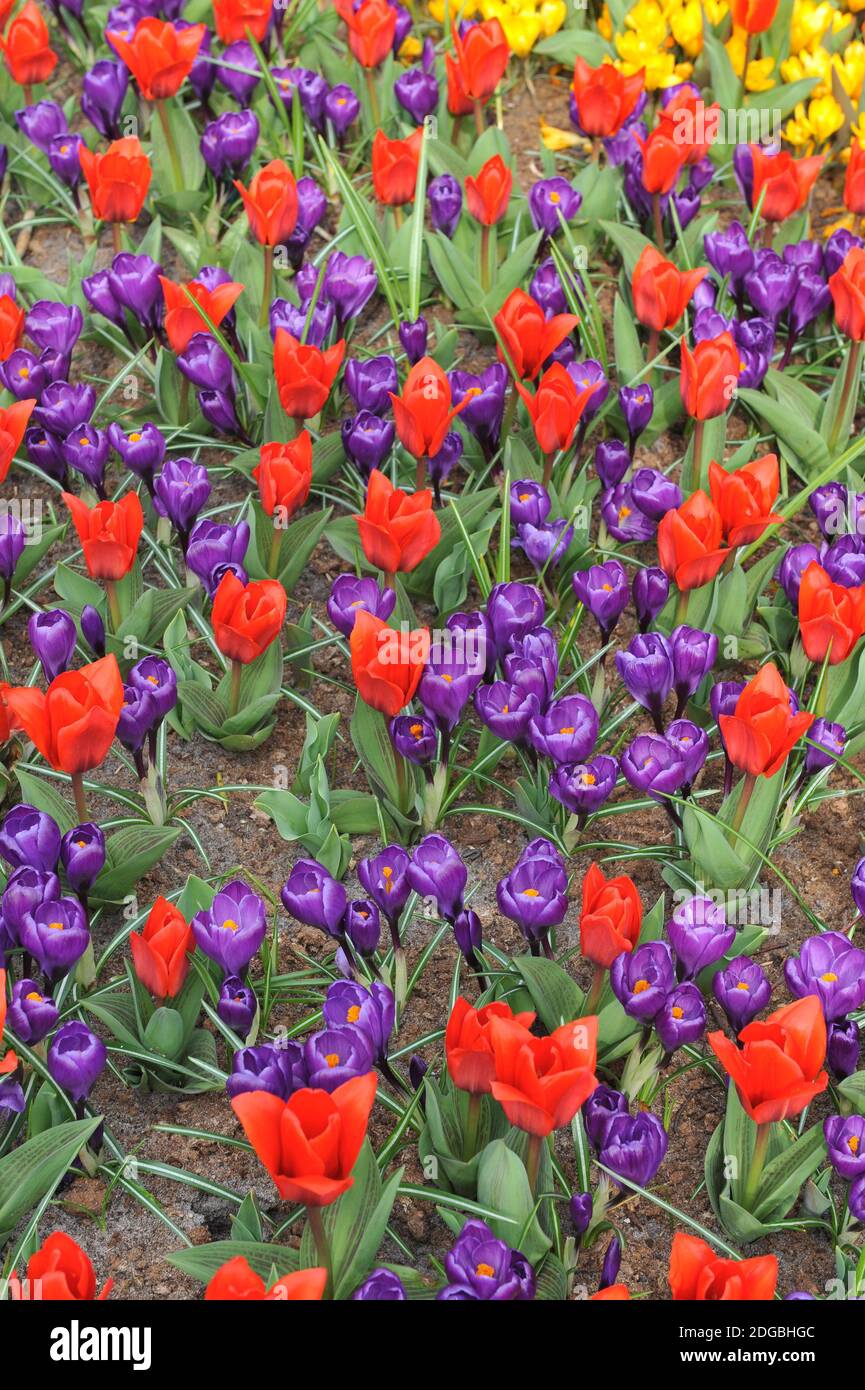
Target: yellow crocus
(556, 139)
(759, 77)
(826, 117)
(522, 31)
(686, 24)
(552, 14)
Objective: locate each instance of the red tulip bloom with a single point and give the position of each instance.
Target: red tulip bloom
(663, 158)
(247, 617)
(468, 1043)
(27, 47)
(386, 665)
(708, 376)
(13, 423)
(744, 499)
(397, 529)
(12, 318)
(309, 1143)
(9, 1062)
(610, 917)
(236, 1281)
(660, 291)
(831, 616)
(488, 194)
(691, 547)
(304, 374)
(371, 29)
(459, 104)
(698, 1274)
(160, 953)
(754, 16)
(284, 475)
(271, 203)
(847, 287)
(540, 1083)
(777, 1071)
(109, 534)
(613, 1293)
(479, 62)
(689, 122)
(60, 1272)
(394, 167)
(528, 337)
(73, 722)
(762, 729)
(424, 412)
(159, 56)
(183, 319)
(604, 98)
(787, 182)
(854, 181)
(118, 179)
(556, 408)
(233, 17)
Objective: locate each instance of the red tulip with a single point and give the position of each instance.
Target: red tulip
(59, 1271)
(690, 123)
(831, 616)
(109, 534)
(660, 291)
(777, 1071)
(159, 56)
(423, 413)
(270, 203)
(479, 62)
(237, 1281)
(847, 287)
(528, 337)
(699, 1275)
(386, 665)
(691, 546)
(397, 529)
(309, 1143)
(540, 1083)
(11, 326)
(762, 729)
(72, 723)
(247, 617)
(787, 182)
(304, 375)
(9, 1062)
(708, 376)
(13, 423)
(610, 918)
(663, 158)
(118, 179)
(233, 17)
(27, 47)
(604, 97)
(754, 16)
(183, 319)
(160, 953)
(556, 408)
(284, 475)
(744, 499)
(854, 181)
(614, 1293)
(371, 29)
(394, 167)
(468, 1043)
(488, 194)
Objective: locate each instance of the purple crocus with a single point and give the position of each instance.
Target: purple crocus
(371, 1011)
(342, 108)
(437, 871)
(535, 896)
(382, 1286)
(237, 1005)
(445, 197)
(370, 381)
(362, 925)
(842, 1048)
(367, 439)
(693, 654)
(584, 787)
(231, 930)
(513, 609)
(414, 737)
(599, 1109)
(692, 744)
(623, 518)
(845, 1141)
(349, 284)
(506, 708)
(41, 122)
(566, 731)
(315, 897)
(142, 451)
(52, 636)
(334, 1056)
(699, 934)
(826, 742)
(82, 854)
(646, 668)
(553, 202)
(479, 1268)
(29, 838)
(641, 979)
(417, 92)
(25, 890)
(612, 461)
(278, 1069)
(654, 493)
(349, 595)
(446, 686)
(32, 1013)
(603, 589)
(633, 1147)
(681, 1018)
(529, 502)
(653, 765)
(413, 334)
(103, 90)
(650, 589)
(742, 990)
(213, 547)
(180, 492)
(637, 404)
(76, 1058)
(831, 968)
(227, 143)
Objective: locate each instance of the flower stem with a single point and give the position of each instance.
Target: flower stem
(485, 258)
(267, 291)
(322, 1245)
(479, 118)
(660, 241)
(533, 1162)
(597, 989)
(851, 382)
(273, 558)
(745, 796)
(691, 479)
(176, 167)
(373, 97)
(80, 797)
(113, 604)
(758, 1162)
(470, 1137)
(234, 701)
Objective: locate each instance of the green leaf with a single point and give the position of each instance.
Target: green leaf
(202, 1261)
(557, 998)
(131, 852)
(503, 1186)
(35, 1168)
(39, 792)
(784, 1176)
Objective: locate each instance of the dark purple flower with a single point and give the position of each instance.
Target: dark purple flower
(414, 737)
(312, 896)
(612, 1262)
(633, 1147)
(535, 896)
(413, 337)
(349, 284)
(417, 93)
(730, 253)
(137, 717)
(544, 545)
(341, 107)
(371, 1011)
(64, 156)
(699, 934)
(580, 1211)
(693, 654)
(829, 503)
(86, 450)
(41, 122)
(367, 439)
(206, 364)
(612, 461)
(552, 202)
(506, 709)
(445, 203)
(844, 561)
(231, 930)
(158, 678)
(793, 566)
(32, 1013)
(56, 933)
(742, 990)
(385, 879)
(646, 667)
(513, 609)
(485, 396)
(349, 595)
(54, 326)
(212, 547)
(437, 871)
(654, 493)
(603, 589)
(623, 518)
(830, 740)
(362, 926)
(29, 839)
(533, 663)
(845, 1140)
(692, 743)
(590, 373)
(180, 491)
(237, 1005)
(440, 464)
(369, 381)
(641, 979)
(134, 283)
(831, 968)
(856, 1199)
(546, 288)
(103, 90)
(653, 765)
(335, 1056)
(650, 589)
(842, 1048)
(25, 890)
(93, 629)
(382, 1286)
(771, 284)
(141, 451)
(52, 636)
(82, 854)
(835, 251)
(566, 731)
(76, 1058)
(446, 685)
(599, 1109)
(64, 407)
(227, 143)
(278, 1069)
(530, 502)
(584, 787)
(238, 71)
(480, 1267)
(681, 1018)
(23, 374)
(637, 404)
(812, 297)
(96, 289)
(468, 935)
